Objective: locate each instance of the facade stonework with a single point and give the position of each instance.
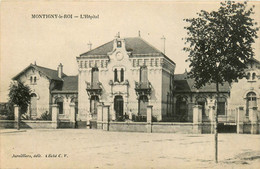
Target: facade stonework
(127, 76)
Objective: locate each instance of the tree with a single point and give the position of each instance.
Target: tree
(220, 45)
(19, 94)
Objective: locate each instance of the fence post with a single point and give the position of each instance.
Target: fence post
(100, 116)
(54, 115)
(240, 120)
(72, 115)
(197, 118)
(253, 119)
(17, 112)
(106, 117)
(149, 118)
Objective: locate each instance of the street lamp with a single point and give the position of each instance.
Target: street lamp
(216, 114)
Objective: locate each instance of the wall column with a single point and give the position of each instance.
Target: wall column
(54, 115)
(17, 116)
(100, 116)
(197, 119)
(253, 119)
(149, 118)
(240, 120)
(106, 117)
(72, 115)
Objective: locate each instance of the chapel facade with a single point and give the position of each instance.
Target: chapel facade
(127, 74)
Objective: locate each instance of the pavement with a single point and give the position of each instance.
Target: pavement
(86, 148)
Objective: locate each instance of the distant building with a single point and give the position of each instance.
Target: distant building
(49, 87)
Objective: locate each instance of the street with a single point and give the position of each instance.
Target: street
(85, 148)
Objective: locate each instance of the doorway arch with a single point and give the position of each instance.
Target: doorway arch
(33, 106)
(119, 106)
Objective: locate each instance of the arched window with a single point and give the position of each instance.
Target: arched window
(253, 76)
(251, 101)
(31, 79)
(34, 79)
(122, 75)
(59, 102)
(221, 108)
(115, 76)
(119, 44)
(181, 109)
(202, 101)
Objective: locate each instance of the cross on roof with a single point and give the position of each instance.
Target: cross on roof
(163, 38)
(90, 45)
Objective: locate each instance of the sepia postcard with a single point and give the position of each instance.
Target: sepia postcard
(129, 84)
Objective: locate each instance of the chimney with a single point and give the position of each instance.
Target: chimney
(60, 70)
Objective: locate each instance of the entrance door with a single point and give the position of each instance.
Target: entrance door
(119, 106)
(93, 106)
(33, 105)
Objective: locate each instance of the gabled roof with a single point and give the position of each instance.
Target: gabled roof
(135, 45)
(50, 73)
(70, 85)
(185, 84)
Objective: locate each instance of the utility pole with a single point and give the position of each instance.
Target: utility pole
(216, 115)
(163, 38)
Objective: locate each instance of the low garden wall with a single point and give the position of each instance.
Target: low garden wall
(7, 124)
(156, 127)
(35, 124)
(128, 126)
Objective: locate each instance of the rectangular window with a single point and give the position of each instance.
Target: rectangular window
(156, 62)
(95, 79)
(134, 62)
(151, 62)
(146, 62)
(81, 64)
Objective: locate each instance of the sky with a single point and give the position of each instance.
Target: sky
(48, 42)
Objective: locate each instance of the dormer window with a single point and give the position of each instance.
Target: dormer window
(33, 80)
(119, 44)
